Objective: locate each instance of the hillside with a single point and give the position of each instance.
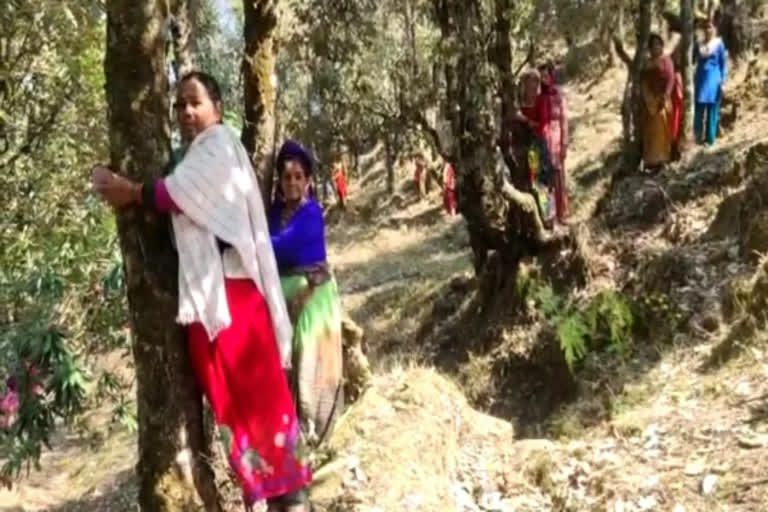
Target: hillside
(469, 419)
(679, 425)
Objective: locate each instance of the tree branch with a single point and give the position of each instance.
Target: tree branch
(430, 130)
(621, 51)
(528, 59)
(525, 203)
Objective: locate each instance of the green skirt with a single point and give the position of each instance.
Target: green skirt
(316, 379)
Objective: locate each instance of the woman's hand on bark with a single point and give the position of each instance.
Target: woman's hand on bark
(114, 189)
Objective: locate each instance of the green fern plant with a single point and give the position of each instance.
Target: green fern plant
(548, 302)
(573, 335)
(607, 321)
(611, 318)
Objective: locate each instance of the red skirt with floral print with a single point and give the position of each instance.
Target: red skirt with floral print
(243, 380)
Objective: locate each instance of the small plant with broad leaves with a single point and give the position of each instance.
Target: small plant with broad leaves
(607, 320)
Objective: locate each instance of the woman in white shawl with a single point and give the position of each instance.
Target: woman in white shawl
(230, 298)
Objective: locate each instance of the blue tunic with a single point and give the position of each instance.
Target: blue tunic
(302, 241)
(711, 72)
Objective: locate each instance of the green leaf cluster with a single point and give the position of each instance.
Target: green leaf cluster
(606, 321)
(61, 290)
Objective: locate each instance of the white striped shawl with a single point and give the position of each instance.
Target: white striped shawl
(216, 189)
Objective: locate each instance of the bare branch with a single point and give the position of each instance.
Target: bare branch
(430, 130)
(621, 51)
(528, 59)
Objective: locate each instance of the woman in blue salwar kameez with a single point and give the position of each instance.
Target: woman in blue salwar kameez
(710, 57)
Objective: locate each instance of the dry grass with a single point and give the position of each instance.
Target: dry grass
(409, 434)
(93, 474)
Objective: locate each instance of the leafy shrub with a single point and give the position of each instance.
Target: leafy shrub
(661, 316)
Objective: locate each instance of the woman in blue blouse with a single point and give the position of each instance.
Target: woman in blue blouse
(711, 71)
(298, 237)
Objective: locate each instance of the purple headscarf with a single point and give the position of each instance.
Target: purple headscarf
(292, 150)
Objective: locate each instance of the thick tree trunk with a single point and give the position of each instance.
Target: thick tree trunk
(170, 469)
(686, 66)
(258, 69)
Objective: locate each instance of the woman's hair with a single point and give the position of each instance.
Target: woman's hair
(292, 150)
(549, 66)
(655, 37)
(209, 83)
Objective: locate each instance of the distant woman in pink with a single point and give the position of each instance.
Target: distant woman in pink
(556, 137)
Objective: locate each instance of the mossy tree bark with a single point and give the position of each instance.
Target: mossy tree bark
(181, 28)
(172, 474)
(258, 68)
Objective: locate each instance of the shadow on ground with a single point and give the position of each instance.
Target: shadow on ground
(120, 496)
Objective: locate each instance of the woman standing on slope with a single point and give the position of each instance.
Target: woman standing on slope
(238, 329)
(556, 137)
(297, 229)
(710, 58)
(341, 183)
(658, 86)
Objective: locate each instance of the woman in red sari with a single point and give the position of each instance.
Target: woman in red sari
(341, 184)
(230, 299)
(556, 137)
(534, 105)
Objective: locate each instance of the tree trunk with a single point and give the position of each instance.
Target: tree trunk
(633, 140)
(410, 40)
(171, 471)
(686, 67)
(735, 28)
(356, 159)
(259, 94)
(503, 60)
(389, 157)
(181, 28)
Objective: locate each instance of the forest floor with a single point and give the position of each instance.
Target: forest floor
(671, 428)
